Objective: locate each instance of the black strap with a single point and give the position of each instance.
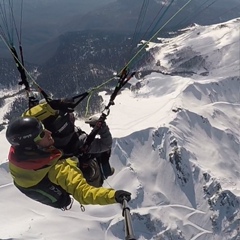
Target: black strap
(124, 77)
(32, 101)
(20, 68)
(81, 97)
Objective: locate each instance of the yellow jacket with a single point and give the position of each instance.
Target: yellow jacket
(29, 169)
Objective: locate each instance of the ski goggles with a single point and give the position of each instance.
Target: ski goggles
(40, 136)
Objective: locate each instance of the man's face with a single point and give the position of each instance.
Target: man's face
(46, 140)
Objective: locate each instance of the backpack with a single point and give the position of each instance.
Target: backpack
(47, 193)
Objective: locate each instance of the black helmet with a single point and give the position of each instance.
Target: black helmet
(23, 131)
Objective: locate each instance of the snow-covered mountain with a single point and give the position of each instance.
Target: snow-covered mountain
(176, 148)
(202, 50)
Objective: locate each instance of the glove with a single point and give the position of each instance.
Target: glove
(121, 194)
(92, 120)
(64, 104)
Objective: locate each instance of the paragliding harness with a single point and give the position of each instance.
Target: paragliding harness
(94, 169)
(94, 172)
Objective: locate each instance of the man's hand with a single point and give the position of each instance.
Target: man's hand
(120, 195)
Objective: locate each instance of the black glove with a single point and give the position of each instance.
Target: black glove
(121, 194)
(64, 104)
(93, 120)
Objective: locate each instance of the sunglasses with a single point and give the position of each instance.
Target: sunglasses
(40, 136)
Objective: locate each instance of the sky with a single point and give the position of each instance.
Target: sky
(176, 149)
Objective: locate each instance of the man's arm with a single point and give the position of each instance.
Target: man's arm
(66, 174)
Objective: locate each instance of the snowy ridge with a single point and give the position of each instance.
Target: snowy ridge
(175, 179)
(202, 50)
(213, 104)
